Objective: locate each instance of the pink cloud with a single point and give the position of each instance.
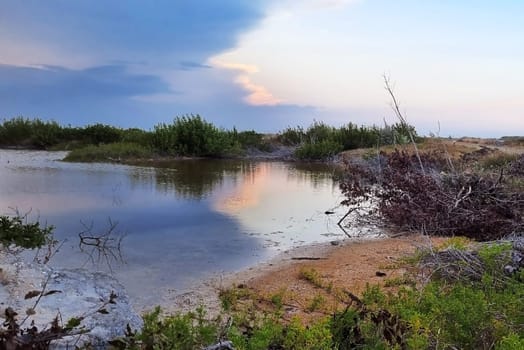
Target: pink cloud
(258, 95)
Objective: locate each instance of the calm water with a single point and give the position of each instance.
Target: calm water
(181, 224)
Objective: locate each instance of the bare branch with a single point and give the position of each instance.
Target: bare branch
(104, 247)
(396, 108)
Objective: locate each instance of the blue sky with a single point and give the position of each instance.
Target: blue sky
(266, 64)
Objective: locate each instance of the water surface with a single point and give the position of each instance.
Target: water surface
(181, 224)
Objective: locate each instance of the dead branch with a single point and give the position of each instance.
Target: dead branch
(104, 247)
(396, 108)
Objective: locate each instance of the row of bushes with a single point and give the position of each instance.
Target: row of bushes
(322, 141)
(193, 136)
(186, 136)
(39, 134)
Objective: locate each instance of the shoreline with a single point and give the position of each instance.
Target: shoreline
(205, 292)
(351, 264)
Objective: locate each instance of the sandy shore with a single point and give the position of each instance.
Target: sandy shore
(349, 265)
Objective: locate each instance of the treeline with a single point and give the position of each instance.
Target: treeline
(191, 135)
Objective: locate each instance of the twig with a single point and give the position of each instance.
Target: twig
(42, 293)
(105, 246)
(396, 108)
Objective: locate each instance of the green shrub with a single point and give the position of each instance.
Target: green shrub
(319, 132)
(344, 330)
(46, 134)
(494, 256)
(17, 231)
(315, 336)
(321, 141)
(318, 151)
(193, 136)
(35, 133)
(292, 136)
(457, 317)
(511, 342)
(312, 276)
(277, 299)
(16, 131)
(229, 297)
(249, 139)
(138, 136)
(185, 332)
(267, 335)
(100, 133)
(351, 136)
(316, 303)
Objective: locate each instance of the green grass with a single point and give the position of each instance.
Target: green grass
(193, 136)
(112, 152)
(316, 303)
(312, 276)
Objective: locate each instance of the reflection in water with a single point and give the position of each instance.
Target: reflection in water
(282, 204)
(183, 222)
(315, 174)
(192, 179)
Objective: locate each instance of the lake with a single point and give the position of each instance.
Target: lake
(180, 224)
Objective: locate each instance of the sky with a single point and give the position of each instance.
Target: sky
(456, 66)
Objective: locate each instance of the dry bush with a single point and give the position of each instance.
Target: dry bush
(438, 200)
(516, 168)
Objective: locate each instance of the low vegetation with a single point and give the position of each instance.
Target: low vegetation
(17, 231)
(185, 136)
(114, 152)
(321, 141)
(192, 136)
(439, 304)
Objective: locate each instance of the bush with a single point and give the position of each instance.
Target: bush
(138, 136)
(292, 136)
(100, 133)
(17, 231)
(193, 136)
(321, 141)
(34, 133)
(436, 200)
(185, 332)
(318, 151)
